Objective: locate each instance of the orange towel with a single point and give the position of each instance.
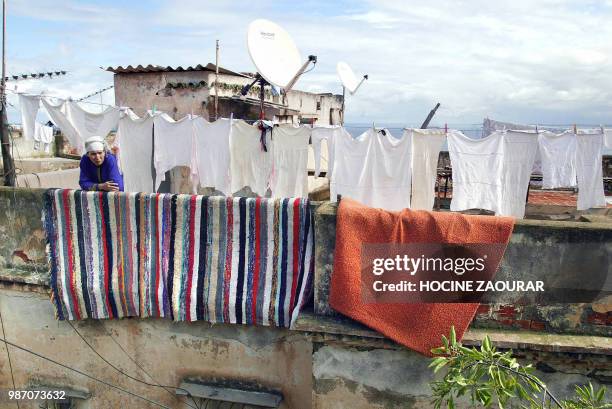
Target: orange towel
(417, 326)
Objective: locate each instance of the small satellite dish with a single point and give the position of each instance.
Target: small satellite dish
(273, 52)
(348, 78)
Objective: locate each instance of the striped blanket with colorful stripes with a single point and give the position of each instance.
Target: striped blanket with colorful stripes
(217, 259)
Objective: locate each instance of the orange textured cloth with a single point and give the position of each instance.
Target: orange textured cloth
(417, 326)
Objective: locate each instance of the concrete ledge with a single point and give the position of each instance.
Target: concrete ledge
(518, 340)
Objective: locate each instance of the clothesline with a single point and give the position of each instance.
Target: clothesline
(56, 97)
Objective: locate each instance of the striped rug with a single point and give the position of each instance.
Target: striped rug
(217, 259)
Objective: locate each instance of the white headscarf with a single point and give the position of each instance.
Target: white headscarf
(94, 144)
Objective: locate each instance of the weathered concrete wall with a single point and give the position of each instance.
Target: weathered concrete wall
(539, 247)
(142, 91)
(324, 362)
(170, 352)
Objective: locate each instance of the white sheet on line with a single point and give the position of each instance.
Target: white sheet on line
(29, 106)
(250, 164)
(135, 142)
(59, 116)
(89, 124)
(520, 148)
(374, 169)
(477, 171)
(212, 154)
(426, 145)
(173, 145)
(43, 136)
(324, 154)
(589, 170)
(608, 138)
(289, 177)
(558, 153)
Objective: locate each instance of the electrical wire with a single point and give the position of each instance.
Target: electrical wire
(165, 387)
(93, 378)
(8, 354)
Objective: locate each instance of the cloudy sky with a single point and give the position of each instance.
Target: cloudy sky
(528, 61)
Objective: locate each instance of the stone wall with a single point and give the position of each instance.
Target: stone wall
(325, 361)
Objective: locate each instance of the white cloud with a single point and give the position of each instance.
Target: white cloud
(521, 61)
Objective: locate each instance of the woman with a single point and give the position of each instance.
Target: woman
(99, 169)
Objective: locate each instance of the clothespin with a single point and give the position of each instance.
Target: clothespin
(445, 128)
(536, 129)
(373, 127)
(575, 131)
(601, 127)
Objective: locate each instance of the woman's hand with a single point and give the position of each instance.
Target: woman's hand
(109, 186)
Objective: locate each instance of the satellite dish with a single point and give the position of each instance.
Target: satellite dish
(348, 78)
(273, 52)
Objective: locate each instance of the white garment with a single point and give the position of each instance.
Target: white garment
(250, 164)
(426, 145)
(520, 149)
(59, 116)
(212, 154)
(135, 142)
(29, 109)
(477, 171)
(374, 169)
(558, 159)
(88, 124)
(43, 135)
(173, 145)
(589, 171)
(289, 176)
(608, 138)
(327, 133)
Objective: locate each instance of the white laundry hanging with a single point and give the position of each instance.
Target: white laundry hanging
(59, 116)
(327, 134)
(89, 124)
(558, 153)
(589, 170)
(373, 168)
(477, 171)
(29, 106)
(608, 138)
(135, 152)
(212, 154)
(43, 136)
(173, 145)
(250, 165)
(520, 149)
(289, 176)
(426, 145)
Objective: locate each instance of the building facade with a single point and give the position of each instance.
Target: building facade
(180, 91)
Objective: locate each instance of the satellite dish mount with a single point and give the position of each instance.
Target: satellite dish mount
(349, 82)
(276, 58)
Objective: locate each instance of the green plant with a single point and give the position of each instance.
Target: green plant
(487, 376)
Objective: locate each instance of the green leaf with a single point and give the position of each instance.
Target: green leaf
(600, 394)
(453, 336)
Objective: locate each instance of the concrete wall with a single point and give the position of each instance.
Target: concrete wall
(535, 248)
(142, 91)
(324, 362)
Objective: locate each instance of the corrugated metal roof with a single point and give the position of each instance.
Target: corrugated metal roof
(158, 68)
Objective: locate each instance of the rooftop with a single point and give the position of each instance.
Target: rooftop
(158, 68)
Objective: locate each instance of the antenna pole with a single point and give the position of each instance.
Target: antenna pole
(430, 116)
(217, 81)
(7, 160)
(342, 109)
